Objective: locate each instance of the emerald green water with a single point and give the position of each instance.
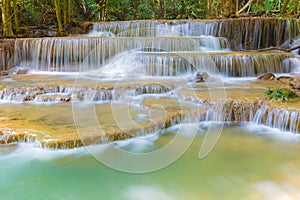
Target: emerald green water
(248, 162)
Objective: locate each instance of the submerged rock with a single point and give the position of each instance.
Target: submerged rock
(285, 79)
(201, 77)
(266, 76)
(19, 71)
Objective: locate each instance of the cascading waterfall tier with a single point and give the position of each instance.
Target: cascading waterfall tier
(255, 112)
(58, 93)
(178, 56)
(6, 54)
(86, 53)
(67, 54)
(292, 64)
(244, 33)
(241, 64)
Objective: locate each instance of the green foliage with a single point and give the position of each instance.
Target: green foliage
(281, 94)
(42, 13)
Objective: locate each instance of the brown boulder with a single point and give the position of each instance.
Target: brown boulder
(267, 76)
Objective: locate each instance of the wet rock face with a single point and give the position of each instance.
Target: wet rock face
(267, 76)
(293, 82)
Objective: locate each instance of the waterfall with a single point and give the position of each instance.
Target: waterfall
(245, 33)
(86, 53)
(6, 55)
(153, 89)
(228, 64)
(283, 119)
(54, 93)
(292, 64)
(247, 111)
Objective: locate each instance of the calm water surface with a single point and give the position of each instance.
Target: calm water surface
(248, 162)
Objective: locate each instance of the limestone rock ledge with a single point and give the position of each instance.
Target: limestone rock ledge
(257, 112)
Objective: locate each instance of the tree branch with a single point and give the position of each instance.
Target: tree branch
(279, 49)
(245, 7)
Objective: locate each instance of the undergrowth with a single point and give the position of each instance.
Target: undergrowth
(281, 94)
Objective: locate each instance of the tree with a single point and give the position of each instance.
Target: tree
(284, 7)
(248, 4)
(226, 8)
(69, 11)
(6, 19)
(16, 17)
(296, 7)
(58, 17)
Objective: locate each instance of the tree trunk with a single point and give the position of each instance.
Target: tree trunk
(296, 7)
(183, 10)
(83, 6)
(236, 7)
(57, 9)
(102, 10)
(226, 8)
(285, 4)
(136, 8)
(162, 10)
(65, 11)
(208, 7)
(69, 11)
(6, 19)
(17, 26)
(246, 6)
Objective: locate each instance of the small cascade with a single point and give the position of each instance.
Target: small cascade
(292, 65)
(86, 53)
(211, 43)
(36, 94)
(9, 136)
(259, 113)
(48, 94)
(228, 64)
(6, 55)
(283, 119)
(245, 33)
(153, 89)
(247, 111)
(143, 28)
(229, 111)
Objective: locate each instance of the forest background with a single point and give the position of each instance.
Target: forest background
(19, 17)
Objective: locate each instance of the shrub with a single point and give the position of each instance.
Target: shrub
(281, 94)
